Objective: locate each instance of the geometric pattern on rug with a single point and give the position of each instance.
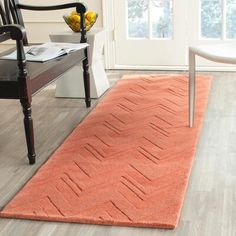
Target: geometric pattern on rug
(127, 163)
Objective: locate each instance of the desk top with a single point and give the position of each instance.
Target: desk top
(95, 39)
(74, 37)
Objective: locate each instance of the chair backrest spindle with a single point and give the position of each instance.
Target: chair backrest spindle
(3, 19)
(13, 15)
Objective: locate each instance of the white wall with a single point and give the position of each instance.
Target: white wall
(95, 5)
(40, 24)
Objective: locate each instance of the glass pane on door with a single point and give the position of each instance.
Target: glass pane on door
(231, 19)
(218, 19)
(211, 19)
(150, 19)
(137, 18)
(162, 17)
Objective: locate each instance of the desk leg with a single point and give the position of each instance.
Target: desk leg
(86, 79)
(29, 132)
(25, 100)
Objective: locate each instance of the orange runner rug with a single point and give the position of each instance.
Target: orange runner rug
(128, 163)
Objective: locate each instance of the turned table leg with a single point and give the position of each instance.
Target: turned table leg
(86, 77)
(29, 132)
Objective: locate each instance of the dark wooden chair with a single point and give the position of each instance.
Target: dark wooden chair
(20, 79)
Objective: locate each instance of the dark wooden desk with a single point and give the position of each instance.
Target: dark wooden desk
(20, 79)
(39, 75)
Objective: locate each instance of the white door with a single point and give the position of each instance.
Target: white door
(149, 32)
(157, 33)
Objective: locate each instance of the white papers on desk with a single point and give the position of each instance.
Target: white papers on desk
(47, 51)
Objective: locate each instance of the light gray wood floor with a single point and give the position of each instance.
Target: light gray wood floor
(210, 202)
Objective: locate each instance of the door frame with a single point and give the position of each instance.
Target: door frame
(108, 25)
(109, 46)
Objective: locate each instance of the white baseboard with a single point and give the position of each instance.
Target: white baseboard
(176, 68)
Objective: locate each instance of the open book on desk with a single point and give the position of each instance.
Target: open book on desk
(47, 51)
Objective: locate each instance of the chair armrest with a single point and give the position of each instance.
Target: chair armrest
(80, 8)
(17, 32)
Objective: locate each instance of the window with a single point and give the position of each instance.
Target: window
(218, 19)
(150, 19)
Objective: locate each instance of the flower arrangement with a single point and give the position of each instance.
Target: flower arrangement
(73, 20)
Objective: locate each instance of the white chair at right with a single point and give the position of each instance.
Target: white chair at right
(223, 53)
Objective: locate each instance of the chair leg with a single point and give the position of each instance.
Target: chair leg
(86, 77)
(192, 79)
(29, 132)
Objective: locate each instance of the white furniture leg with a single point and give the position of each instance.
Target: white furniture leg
(222, 53)
(192, 80)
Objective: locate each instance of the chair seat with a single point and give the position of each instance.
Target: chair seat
(223, 53)
(10, 70)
